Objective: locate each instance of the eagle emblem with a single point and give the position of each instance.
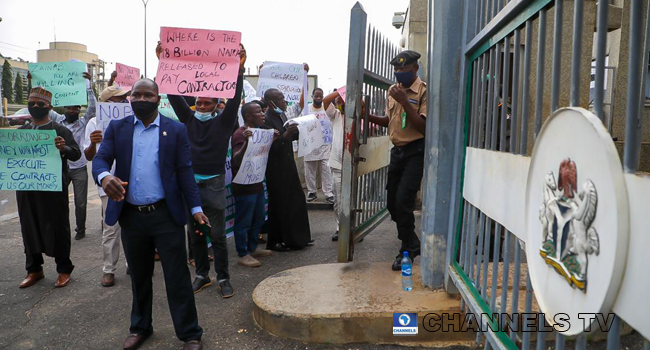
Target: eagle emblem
(567, 215)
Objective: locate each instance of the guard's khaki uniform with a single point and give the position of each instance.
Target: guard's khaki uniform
(406, 165)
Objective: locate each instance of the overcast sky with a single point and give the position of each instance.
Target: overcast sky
(292, 31)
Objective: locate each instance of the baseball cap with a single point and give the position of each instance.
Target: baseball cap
(111, 91)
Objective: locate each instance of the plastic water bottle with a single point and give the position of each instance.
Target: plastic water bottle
(407, 278)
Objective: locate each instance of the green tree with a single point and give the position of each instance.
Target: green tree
(19, 90)
(7, 82)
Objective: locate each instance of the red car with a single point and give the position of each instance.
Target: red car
(22, 117)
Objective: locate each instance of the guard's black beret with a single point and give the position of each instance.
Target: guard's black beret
(404, 58)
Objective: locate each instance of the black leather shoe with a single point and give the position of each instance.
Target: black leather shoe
(226, 289)
(134, 341)
(193, 345)
(279, 247)
(335, 237)
(79, 235)
(200, 283)
(311, 242)
(397, 264)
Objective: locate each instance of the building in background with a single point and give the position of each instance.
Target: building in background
(61, 51)
(414, 31)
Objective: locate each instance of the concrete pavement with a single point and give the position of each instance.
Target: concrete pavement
(85, 315)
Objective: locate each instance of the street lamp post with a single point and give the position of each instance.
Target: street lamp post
(145, 2)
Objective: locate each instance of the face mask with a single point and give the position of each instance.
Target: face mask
(38, 113)
(404, 77)
(204, 117)
(276, 109)
(143, 108)
(71, 117)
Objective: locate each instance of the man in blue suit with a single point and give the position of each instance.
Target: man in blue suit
(152, 153)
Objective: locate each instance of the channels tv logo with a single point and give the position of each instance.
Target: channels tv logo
(405, 323)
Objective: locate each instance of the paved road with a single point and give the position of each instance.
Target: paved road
(86, 315)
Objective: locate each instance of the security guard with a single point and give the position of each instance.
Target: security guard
(406, 121)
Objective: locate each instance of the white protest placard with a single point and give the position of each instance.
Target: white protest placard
(107, 111)
(286, 77)
(311, 133)
(250, 94)
(253, 166)
(326, 126)
(305, 88)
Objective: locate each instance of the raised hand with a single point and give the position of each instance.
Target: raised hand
(59, 142)
(96, 137)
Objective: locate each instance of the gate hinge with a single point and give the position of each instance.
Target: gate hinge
(359, 159)
(357, 210)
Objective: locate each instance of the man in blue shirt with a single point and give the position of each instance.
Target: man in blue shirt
(153, 153)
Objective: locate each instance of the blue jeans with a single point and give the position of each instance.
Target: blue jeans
(249, 218)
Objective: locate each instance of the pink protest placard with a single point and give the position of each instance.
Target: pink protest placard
(127, 76)
(341, 92)
(198, 62)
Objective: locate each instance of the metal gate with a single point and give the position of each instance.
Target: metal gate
(515, 76)
(366, 145)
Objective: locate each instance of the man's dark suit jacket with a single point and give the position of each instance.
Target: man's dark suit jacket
(174, 159)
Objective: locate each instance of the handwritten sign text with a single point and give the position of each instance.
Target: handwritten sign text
(108, 111)
(63, 79)
(311, 134)
(29, 161)
(198, 62)
(127, 76)
(286, 77)
(253, 166)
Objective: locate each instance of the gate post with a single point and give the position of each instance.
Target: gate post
(357, 43)
(444, 140)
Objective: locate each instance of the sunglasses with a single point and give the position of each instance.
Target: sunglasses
(41, 104)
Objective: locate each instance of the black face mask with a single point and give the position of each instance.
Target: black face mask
(71, 117)
(143, 108)
(318, 103)
(38, 113)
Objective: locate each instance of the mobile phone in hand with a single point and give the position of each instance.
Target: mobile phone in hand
(204, 229)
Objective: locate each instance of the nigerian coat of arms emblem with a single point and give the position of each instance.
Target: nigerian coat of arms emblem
(567, 215)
